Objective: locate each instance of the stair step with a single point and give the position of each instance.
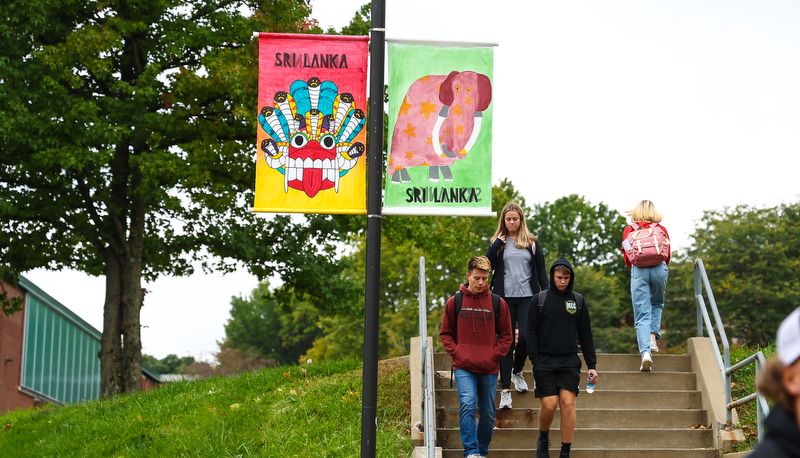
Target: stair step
(588, 418)
(619, 380)
(654, 414)
(605, 362)
(648, 452)
(609, 399)
(600, 438)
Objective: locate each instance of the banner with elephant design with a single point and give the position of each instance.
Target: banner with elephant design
(440, 129)
(311, 124)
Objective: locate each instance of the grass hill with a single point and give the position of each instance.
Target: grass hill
(294, 411)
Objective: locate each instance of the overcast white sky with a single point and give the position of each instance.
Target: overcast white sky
(693, 104)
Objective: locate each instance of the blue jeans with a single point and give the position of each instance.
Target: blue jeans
(647, 293)
(476, 391)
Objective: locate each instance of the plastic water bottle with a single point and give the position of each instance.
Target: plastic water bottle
(589, 386)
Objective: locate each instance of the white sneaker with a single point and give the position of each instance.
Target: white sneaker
(647, 363)
(519, 382)
(505, 399)
(474, 455)
(653, 347)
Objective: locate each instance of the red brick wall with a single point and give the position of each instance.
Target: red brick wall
(11, 329)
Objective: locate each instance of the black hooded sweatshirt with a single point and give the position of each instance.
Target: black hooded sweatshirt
(552, 330)
(781, 440)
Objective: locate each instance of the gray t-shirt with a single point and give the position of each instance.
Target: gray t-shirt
(517, 267)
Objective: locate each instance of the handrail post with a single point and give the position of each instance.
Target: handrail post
(428, 418)
(423, 309)
(698, 291)
(724, 361)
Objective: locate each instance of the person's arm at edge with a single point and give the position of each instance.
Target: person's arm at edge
(541, 270)
(447, 332)
(585, 337)
(533, 323)
(503, 329)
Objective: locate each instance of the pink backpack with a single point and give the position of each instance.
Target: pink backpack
(646, 247)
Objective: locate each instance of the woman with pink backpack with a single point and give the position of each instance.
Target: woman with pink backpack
(645, 246)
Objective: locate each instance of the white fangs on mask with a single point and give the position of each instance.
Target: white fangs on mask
(295, 167)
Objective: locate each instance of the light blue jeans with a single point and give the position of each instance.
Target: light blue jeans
(647, 293)
(476, 392)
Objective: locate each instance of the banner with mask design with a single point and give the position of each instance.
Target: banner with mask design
(311, 141)
(440, 127)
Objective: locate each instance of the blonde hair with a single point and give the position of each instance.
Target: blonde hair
(479, 262)
(524, 238)
(645, 212)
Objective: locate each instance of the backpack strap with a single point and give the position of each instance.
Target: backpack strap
(460, 297)
(495, 306)
(542, 296)
(578, 300)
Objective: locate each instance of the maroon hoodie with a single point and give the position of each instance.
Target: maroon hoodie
(474, 340)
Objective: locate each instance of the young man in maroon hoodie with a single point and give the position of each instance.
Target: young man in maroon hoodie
(476, 338)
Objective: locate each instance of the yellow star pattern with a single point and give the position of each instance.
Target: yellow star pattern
(409, 154)
(456, 109)
(410, 130)
(405, 106)
(427, 108)
(459, 129)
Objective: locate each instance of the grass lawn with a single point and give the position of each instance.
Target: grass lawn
(294, 411)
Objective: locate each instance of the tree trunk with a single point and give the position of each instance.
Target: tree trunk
(110, 343)
(121, 344)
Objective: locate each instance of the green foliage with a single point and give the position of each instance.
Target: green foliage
(752, 256)
(743, 384)
(608, 308)
(679, 319)
(446, 243)
(126, 133)
(260, 324)
(170, 364)
(286, 411)
(583, 233)
(361, 22)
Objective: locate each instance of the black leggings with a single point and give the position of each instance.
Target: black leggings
(518, 307)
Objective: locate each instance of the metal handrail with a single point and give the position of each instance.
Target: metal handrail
(724, 358)
(429, 425)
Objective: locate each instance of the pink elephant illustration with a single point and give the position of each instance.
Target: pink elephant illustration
(438, 122)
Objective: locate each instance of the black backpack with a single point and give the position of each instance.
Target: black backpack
(543, 297)
(495, 305)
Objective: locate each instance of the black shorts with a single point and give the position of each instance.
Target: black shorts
(554, 372)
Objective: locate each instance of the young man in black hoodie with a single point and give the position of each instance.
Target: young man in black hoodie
(554, 353)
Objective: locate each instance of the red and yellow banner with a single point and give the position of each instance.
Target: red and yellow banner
(311, 143)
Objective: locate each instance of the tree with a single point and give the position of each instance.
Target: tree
(170, 364)
(445, 242)
(583, 233)
(752, 257)
(259, 324)
(609, 306)
(126, 135)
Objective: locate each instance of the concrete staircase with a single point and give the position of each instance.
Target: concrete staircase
(660, 414)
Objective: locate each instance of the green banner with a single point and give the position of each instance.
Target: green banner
(440, 124)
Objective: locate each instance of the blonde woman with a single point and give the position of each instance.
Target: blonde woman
(519, 273)
(648, 285)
